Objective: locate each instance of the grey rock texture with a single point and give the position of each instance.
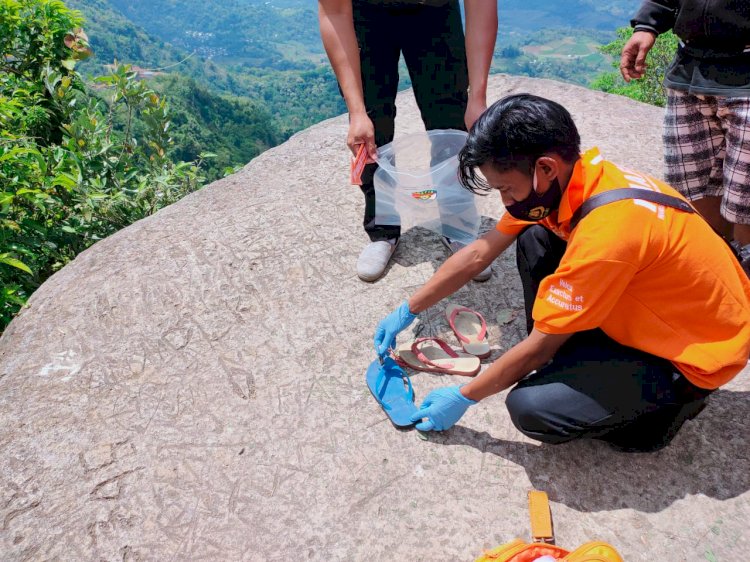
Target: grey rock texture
(192, 388)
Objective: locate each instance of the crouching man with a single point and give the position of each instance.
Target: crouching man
(636, 309)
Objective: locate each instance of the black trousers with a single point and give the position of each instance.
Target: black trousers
(431, 39)
(595, 387)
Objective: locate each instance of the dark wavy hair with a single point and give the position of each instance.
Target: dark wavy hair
(512, 134)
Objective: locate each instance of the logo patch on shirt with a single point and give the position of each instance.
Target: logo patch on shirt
(424, 195)
(538, 213)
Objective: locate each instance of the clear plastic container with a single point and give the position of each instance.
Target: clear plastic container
(416, 184)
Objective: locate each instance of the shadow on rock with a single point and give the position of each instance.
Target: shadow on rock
(420, 245)
(709, 456)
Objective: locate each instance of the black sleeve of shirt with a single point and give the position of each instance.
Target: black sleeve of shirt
(656, 15)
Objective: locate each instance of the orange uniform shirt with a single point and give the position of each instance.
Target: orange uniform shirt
(651, 277)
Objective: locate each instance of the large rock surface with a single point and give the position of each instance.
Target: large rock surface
(193, 388)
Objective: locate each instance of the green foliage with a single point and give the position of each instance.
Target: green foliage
(68, 176)
(235, 129)
(510, 52)
(32, 35)
(647, 89)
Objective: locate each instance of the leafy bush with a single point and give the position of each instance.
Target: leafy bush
(647, 89)
(236, 129)
(68, 176)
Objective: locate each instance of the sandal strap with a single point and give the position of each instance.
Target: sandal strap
(416, 348)
(378, 381)
(382, 378)
(451, 320)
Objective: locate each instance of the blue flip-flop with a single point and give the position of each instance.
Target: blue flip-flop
(386, 382)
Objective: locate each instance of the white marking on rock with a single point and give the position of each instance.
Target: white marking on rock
(63, 362)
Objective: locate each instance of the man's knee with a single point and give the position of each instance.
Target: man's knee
(531, 410)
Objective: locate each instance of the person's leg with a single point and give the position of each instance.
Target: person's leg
(379, 54)
(597, 388)
(694, 150)
(435, 55)
(538, 253)
(735, 115)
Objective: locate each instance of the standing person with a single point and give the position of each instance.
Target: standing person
(364, 40)
(707, 121)
(636, 312)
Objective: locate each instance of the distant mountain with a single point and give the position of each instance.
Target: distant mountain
(113, 36)
(550, 14)
(280, 35)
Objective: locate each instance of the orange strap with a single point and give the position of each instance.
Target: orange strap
(541, 517)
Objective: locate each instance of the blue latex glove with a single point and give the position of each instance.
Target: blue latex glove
(442, 408)
(390, 326)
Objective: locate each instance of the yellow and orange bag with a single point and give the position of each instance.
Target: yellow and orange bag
(543, 541)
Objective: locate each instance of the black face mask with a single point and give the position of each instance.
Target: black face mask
(537, 207)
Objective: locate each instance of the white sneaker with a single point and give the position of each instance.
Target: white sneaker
(454, 246)
(374, 259)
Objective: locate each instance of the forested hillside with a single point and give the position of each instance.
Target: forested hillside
(234, 129)
(263, 49)
(113, 36)
(265, 34)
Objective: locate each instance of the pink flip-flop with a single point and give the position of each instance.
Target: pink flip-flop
(433, 355)
(470, 329)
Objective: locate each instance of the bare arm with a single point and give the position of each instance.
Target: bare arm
(459, 269)
(531, 354)
(340, 42)
(481, 33)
